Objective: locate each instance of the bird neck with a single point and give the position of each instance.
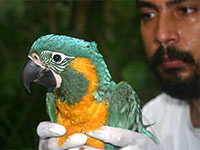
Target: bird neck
(80, 82)
(84, 66)
(84, 79)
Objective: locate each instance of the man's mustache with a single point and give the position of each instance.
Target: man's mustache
(172, 53)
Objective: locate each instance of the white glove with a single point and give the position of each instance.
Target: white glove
(126, 139)
(49, 133)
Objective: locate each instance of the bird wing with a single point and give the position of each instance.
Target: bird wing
(124, 110)
(51, 106)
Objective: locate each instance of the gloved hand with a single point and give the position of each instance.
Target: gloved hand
(49, 133)
(126, 139)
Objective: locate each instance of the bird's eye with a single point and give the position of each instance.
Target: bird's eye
(57, 58)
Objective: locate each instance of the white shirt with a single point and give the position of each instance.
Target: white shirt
(172, 125)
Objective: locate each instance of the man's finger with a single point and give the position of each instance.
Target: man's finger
(74, 141)
(48, 129)
(84, 148)
(117, 136)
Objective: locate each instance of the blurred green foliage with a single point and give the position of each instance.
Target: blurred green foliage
(113, 24)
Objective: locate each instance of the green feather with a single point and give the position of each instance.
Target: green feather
(51, 106)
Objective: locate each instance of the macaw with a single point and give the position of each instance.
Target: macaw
(81, 94)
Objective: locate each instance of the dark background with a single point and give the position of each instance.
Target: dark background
(113, 24)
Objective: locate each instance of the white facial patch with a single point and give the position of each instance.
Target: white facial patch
(58, 79)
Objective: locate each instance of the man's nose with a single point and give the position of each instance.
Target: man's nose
(166, 31)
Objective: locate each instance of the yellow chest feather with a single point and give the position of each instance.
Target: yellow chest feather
(88, 114)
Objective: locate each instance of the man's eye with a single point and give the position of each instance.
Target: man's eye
(186, 10)
(147, 16)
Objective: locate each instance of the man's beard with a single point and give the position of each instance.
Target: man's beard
(184, 89)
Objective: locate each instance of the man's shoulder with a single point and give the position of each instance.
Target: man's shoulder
(156, 109)
(163, 101)
(161, 106)
(156, 102)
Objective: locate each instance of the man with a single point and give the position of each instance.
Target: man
(171, 32)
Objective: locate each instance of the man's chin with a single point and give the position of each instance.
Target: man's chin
(186, 89)
(177, 72)
(182, 91)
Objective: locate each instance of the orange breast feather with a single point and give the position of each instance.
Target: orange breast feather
(88, 115)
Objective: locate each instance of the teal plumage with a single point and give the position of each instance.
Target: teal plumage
(123, 104)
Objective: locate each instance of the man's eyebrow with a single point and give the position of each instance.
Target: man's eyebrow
(174, 2)
(141, 4)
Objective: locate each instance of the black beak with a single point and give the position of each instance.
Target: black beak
(34, 72)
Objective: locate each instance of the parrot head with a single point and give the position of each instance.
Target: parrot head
(52, 62)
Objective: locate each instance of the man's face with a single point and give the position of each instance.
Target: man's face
(171, 35)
